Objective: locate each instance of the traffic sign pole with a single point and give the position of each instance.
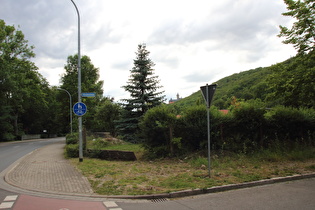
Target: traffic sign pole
(208, 92)
(79, 86)
(208, 120)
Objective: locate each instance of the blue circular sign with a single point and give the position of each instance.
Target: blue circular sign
(79, 109)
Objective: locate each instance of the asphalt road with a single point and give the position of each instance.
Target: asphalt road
(12, 151)
(287, 196)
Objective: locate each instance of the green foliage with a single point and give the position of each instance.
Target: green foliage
(99, 143)
(72, 150)
(248, 127)
(127, 125)
(143, 84)
(24, 93)
(6, 128)
(143, 87)
(106, 115)
(251, 84)
(89, 83)
(302, 33)
(249, 119)
(157, 129)
(193, 128)
(292, 82)
(292, 125)
(72, 138)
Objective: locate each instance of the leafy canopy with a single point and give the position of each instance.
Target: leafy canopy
(302, 33)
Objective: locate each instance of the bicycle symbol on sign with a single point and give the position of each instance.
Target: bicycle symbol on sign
(79, 109)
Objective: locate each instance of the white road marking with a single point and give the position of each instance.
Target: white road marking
(10, 198)
(6, 205)
(111, 205)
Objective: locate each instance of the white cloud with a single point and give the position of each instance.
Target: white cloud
(191, 42)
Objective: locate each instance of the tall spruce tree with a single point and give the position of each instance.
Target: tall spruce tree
(143, 87)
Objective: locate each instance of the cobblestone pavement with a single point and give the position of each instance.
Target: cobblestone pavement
(46, 170)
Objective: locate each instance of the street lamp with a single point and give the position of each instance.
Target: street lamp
(70, 101)
(79, 86)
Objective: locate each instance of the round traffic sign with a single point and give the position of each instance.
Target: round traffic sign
(79, 109)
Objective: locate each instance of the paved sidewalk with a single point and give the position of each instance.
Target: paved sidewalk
(46, 170)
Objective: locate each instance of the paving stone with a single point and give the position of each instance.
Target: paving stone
(46, 170)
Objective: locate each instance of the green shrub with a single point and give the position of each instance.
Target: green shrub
(193, 128)
(72, 150)
(157, 129)
(247, 128)
(99, 143)
(72, 138)
(291, 125)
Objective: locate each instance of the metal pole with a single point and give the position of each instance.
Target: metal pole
(208, 122)
(79, 86)
(70, 99)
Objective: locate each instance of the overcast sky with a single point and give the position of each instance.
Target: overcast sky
(191, 42)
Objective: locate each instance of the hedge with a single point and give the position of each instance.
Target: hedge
(248, 127)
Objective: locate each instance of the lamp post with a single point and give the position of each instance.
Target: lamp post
(70, 102)
(79, 86)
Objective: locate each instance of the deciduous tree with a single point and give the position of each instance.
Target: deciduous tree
(20, 84)
(89, 83)
(302, 33)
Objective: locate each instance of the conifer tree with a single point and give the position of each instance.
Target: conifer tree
(143, 87)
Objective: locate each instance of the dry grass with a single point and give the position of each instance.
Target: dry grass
(167, 175)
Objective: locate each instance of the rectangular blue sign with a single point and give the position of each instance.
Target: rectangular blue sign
(88, 94)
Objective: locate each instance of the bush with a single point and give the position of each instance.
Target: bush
(248, 127)
(157, 128)
(99, 143)
(193, 128)
(248, 124)
(72, 150)
(72, 138)
(291, 125)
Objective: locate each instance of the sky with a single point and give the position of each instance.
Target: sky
(192, 43)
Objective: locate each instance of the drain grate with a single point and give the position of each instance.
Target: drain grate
(158, 200)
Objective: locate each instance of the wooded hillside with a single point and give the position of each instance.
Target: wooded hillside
(289, 83)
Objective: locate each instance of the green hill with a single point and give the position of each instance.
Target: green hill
(289, 83)
(246, 85)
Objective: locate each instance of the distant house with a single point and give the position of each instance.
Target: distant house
(224, 111)
(174, 100)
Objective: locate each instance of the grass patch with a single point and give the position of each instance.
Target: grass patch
(166, 175)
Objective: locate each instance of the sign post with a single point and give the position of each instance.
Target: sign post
(79, 86)
(208, 92)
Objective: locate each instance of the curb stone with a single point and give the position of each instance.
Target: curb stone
(177, 194)
(185, 193)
